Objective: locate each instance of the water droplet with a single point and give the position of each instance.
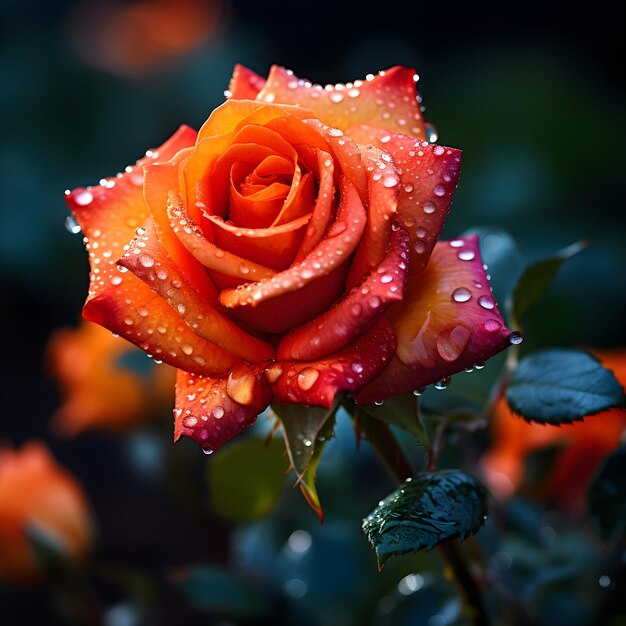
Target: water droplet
(466, 255)
(146, 260)
(491, 326)
(418, 393)
(429, 207)
(187, 348)
(307, 442)
(71, 225)
(487, 302)
(386, 278)
(357, 367)
(116, 280)
(83, 198)
(457, 243)
(390, 181)
(439, 190)
(356, 310)
(207, 450)
(307, 378)
(374, 302)
(452, 342)
(461, 294)
(336, 97)
(218, 412)
(419, 247)
(515, 338)
(443, 383)
(273, 372)
(438, 150)
(479, 366)
(604, 581)
(378, 403)
(431, 133)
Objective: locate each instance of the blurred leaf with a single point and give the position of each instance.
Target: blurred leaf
(401, 411)
(247, 479)
(433, 507)
(307, 481)
(562, 386)
(536, 278)
(214, 589)
(606, 498)
(137, 362)
(451, 405)
(302, 426)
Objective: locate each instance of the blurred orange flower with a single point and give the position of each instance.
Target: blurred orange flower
(584, 445)
(37, 494)
(99, 391)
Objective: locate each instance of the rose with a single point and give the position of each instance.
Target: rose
(91, 367)
(38, 496)
(287, 252)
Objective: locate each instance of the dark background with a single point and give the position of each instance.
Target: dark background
(531, 92)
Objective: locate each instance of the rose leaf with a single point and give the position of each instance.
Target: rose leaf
(606, 498)
(246, 479)
(401, 411)
(536, 278)
(561, 386)
(425, 511)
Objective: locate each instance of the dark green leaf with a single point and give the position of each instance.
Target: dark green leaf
(247, 479)
(562, 386)
(433, 507)
(219, 591)
(536, 278)
(301, 426)
(401, 411)
(606, 499)
(307, 429)
(307, 481)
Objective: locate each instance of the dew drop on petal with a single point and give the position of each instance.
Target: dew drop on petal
(491, 325)
(71, 225)
(466, 255)
(207, 450)
(307, 378)
(439, 190)
(83, 198)
(218, 412)
(146, 260)
(442, 384)
(461, 294)
(486, 302)
(515, 338)
(429, 207)
(431, 133)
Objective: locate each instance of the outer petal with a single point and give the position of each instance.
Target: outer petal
(354, 313)
(213, 410)
(110, 213)
(388, 100)
(317, 382)
(244, 84)
(148, 260)
(448, 321)
(428, 175)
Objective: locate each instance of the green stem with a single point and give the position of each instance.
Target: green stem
(392, 456)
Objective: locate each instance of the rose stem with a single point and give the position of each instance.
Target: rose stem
(393, 458)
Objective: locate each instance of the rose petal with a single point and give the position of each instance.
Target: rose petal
(275, 246)
(213, 410)
(148, 260)
(130, 309)
(109, 214)
(324, 204)
(354, 313)
(387, 100)
(336, 246)
(207, 253)
(447, 322)
(383, 181)
(160, 180)
(244, 84)
(428, 177)
(317, 382)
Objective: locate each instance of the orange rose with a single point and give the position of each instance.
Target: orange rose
(585, 444)
(283, 253)
(36, 494)
(99, 392)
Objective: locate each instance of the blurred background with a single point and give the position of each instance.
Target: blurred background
(533, 94)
